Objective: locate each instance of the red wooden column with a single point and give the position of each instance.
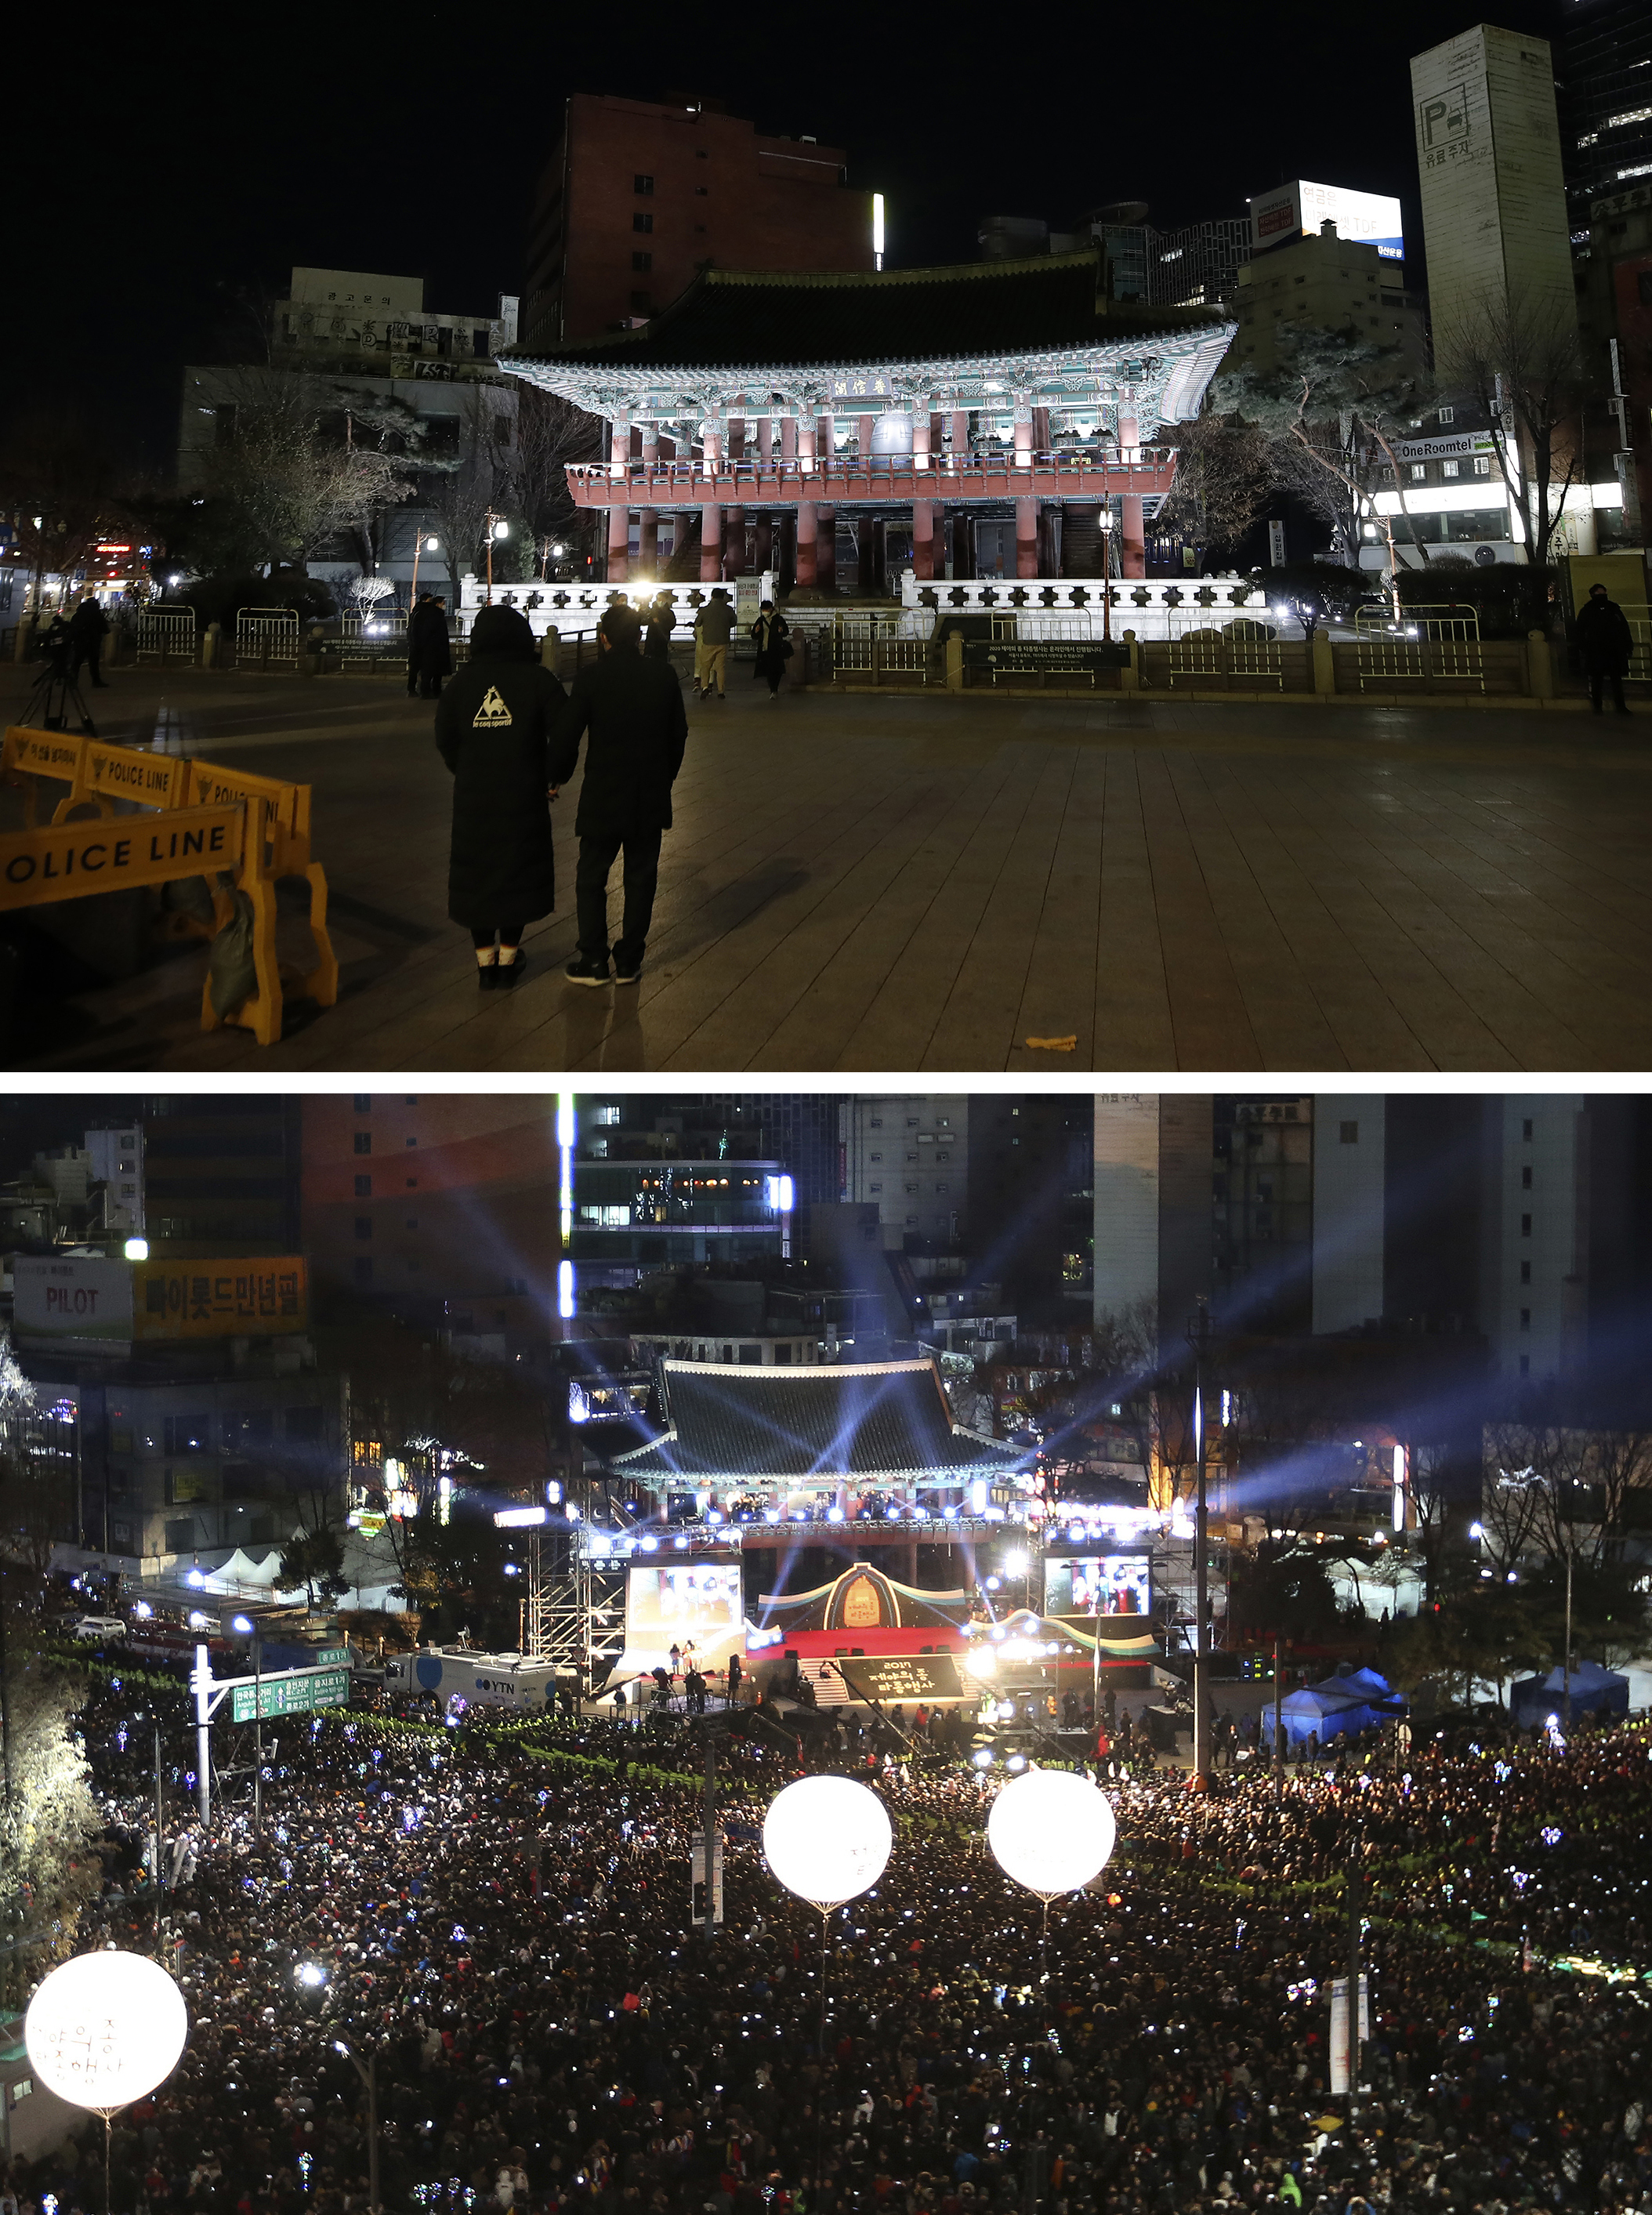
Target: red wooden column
(1133, 536)
(863, 424)
(711, 542)
(734, 542)
(1027, 533)
(826, 547)
(923, 538)
(807, 571)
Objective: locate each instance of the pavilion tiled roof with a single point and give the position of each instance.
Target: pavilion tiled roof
(735, 318)
(861, 1418)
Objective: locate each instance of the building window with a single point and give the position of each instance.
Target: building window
(641, 260)
(1483, 465)
(1347, 1134)
(1526, 1226)
(1526, 1128)
(642, 303)
(413, 1222)
(185, 1434)
(642, 184)
(641, 222)
(306, 1422)
(1449, 470)
(180, 1535)
(1419, 472)
(1448, 415)
(1525, 1179)
(412, 1142)
(1526, 1318)
(364, 1142)
(364, 1226)
(1525, 1272)
(364, 1187)
(364, 1103)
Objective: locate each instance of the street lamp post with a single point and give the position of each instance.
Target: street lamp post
(1198, 1337)
(369, 2077)
(496, 528)
(422, 544)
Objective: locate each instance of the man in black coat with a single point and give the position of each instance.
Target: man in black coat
(632, 707)
(429, 653)
(493, 730)
(1604, 642)
(88, 628)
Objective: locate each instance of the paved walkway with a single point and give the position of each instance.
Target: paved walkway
(922, 884)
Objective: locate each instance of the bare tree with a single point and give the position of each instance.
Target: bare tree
(551, 433)
(1224, 474)
(1517, 356)
(283, 486)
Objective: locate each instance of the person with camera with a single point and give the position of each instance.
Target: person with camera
(88, 628)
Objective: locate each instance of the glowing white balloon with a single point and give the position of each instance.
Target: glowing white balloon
(827, 1838)
(1051, 1830)
(104, 2029)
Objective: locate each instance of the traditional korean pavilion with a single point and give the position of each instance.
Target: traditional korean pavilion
(838, 1436)
(994, 418)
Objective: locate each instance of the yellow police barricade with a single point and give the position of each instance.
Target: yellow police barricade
(93, 770)
(281, 812)
(66, 861)
(99, 773)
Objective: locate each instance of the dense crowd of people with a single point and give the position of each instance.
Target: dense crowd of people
(500, 1916)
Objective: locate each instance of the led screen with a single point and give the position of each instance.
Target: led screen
(689, 1602)
(1097, 1584)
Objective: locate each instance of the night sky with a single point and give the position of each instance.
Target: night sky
(161, 163)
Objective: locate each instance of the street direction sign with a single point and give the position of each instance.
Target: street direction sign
(288, 1692)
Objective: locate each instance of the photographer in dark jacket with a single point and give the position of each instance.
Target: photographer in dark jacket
(1604, 642)
(88, 628)
(493, 730)
(631, 707)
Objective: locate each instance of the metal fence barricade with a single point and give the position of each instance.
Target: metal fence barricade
(165, 635)
(1423, 646)
(267, 636)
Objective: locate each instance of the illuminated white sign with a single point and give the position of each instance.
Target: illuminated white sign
(1291, 210)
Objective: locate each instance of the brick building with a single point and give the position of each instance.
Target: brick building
(638, 197)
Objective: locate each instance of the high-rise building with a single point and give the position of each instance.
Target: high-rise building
(1522, 1220)
(443, 1206)
(1152, 1185)
(803, 1131)
(222, 1174)
(1493, 188)
(909, 1153)
(638, 197)
(1606, 100)
(1030, 1209)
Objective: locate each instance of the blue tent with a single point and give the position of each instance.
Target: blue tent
(1595, 1692)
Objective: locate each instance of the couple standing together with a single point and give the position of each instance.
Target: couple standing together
(510, 735)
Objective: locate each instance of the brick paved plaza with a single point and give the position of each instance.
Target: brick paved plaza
(922, 883)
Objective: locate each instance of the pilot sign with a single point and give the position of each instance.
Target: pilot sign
(862, 385)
